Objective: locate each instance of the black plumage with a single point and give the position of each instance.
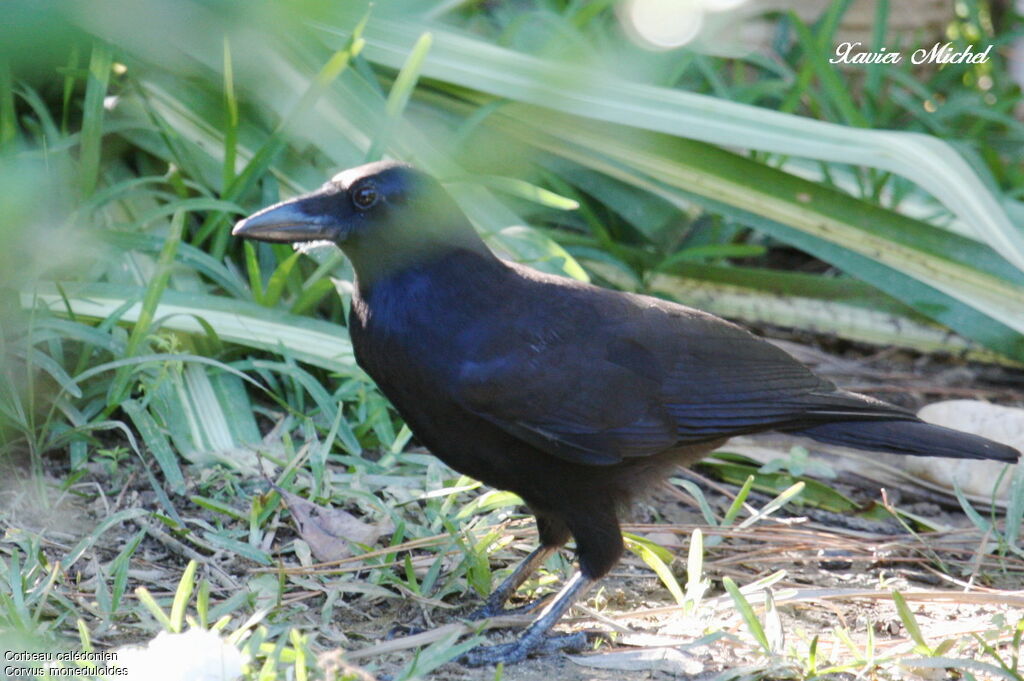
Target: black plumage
(570, 395)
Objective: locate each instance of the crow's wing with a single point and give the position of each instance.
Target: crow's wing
(595, 376)
(570, 400)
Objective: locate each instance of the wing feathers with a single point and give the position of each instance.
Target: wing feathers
(647, 375)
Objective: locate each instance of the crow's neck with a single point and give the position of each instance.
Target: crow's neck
(437, 286)
(385, 256)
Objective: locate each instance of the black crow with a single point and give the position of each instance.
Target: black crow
(572, 396)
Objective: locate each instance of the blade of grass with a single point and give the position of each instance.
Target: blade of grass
(399, 95)
(818, 48)
(157, 443)
(89, 540)
(647, 552)
(100, 62)
(154, 609)
(737, 504)
(773, 505)
(261, 161)
(698, 495)
(231, 118)
(70, 76)
(747, 613)
(276, 284)
(525, 190)
(696, 585)
(181, 597)
(8, 117)
(910, 624)
(873, 79)
(120, 566)
(119, 386)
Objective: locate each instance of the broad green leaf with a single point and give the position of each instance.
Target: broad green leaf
(308, 340)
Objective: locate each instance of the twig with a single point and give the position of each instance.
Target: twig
(603, 619)
(180, 548)
(428, 637)
(978, 558)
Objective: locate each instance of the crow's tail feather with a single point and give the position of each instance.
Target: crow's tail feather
(915, 438)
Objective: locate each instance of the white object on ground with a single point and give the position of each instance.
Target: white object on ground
(195, 655)
(1002, 424)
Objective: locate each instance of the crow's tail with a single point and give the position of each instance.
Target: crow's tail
(916, 438)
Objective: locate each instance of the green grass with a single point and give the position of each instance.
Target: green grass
(156, 375)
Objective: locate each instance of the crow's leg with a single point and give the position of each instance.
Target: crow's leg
(553, 534)
(535, 639)
(598, 546)
(495, 603)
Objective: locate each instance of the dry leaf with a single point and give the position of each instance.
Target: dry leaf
(329, 531)
(421, 564)
(667, 660)
(667, 540)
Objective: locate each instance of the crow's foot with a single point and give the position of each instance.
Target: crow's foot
(497, 609)
(517, 651)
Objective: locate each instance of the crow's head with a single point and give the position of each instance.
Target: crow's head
(381, 214)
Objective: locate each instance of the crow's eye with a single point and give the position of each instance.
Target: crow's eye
(364, 196)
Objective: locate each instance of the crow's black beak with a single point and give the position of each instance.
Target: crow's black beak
(306, 218)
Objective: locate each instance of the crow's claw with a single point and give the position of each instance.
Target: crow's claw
(517, 651)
